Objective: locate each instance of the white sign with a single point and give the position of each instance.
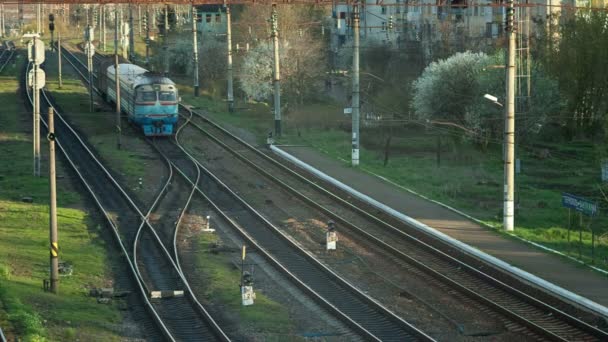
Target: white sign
(89, 49)
(35, 51)
(332, 238)
(40, 79)
(247, 295)
(348, 110)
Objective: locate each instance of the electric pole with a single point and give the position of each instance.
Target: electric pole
(509, 140)
(131, 37)
(59, 57)
(1, 20)
(139, 19)
(116, 81)
(355, 95)
(147, 24)
(90, 50)
(54, 251)
(165, 42)
(230, 92)
(38, 9)
(274, 20)
(195, 50)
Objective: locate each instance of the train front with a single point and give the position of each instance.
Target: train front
(156, 106)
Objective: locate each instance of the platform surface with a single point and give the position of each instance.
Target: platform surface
(571, 276)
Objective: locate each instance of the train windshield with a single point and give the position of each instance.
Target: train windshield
(146, 96)
(166, 96)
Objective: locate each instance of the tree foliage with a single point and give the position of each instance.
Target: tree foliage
(302, 57)
(447, 87)
(452, 90)
(578, 59)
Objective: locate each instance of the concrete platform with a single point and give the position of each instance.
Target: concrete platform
(576, 278)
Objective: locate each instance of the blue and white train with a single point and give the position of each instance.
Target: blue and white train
(150, 101)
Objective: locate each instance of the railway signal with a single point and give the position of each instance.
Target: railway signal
(52, 26)
(331, 236)
(89, 50)
(36, 55)
(247, 294)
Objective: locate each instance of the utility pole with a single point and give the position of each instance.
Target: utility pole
(54, 251)
(195, 50)
(165, 42)
(355, 95)
(230, 92)
(59, 57)
(274, 20)
(117, 82)
(38, 9)
(131, 38)
(509, 139)
(1, 20)
(139, 19)
(147, 35)
(103, 27)
(89, 50)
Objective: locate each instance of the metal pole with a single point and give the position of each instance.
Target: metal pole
(117, 82)
(90, 69)
(355, 95)
(103, 27)
(1, 20)
(165, 42)
(277, 78)
(229, 68)
(195, 50)
(139, 19)
(131, 37)
(509, 140)
(54, 251)
(59, 57)
(147, 35)
(38, 9)
(36, 119)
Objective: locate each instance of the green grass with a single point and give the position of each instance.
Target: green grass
(266, 315)
(26, 311)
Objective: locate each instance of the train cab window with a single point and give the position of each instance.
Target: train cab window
(167, 96)
(146, 96)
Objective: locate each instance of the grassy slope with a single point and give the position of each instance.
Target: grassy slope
(25, 310)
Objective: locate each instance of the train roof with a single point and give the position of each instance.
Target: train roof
(134, 75)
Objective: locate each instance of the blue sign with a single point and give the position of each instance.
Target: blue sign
(580, 204)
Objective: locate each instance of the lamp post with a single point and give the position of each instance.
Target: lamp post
(509, 179)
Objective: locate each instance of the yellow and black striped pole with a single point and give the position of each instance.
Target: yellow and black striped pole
(53, 204)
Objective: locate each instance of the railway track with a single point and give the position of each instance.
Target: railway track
(6, 54)
(358, 310)
(327, 288)
(180, 318)
(542, 320)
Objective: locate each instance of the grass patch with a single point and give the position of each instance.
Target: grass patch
(26, 312)
(265, 316)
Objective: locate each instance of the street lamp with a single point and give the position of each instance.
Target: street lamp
(493, 99)
(509, 175)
